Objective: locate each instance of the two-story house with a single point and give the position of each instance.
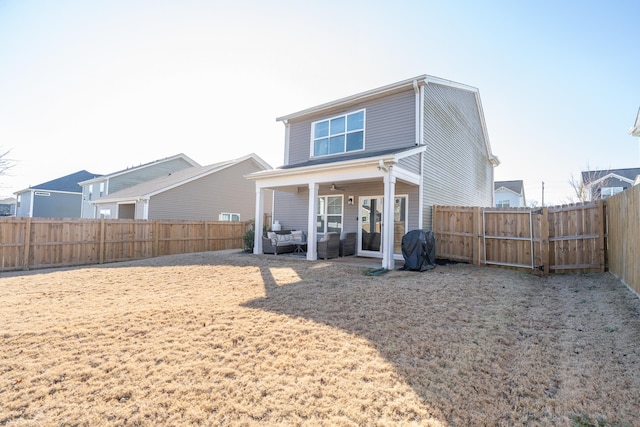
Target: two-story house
(216, 192)
(509, 194)
(376, 163)
(58, 198)
(104, 185)
(600, 184)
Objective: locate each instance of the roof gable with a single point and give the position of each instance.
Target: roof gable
(514, 186)
(593, 177)
(145, 165)
(175, 179)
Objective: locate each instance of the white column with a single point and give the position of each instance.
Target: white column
(388, 232)
(312, 234)
(257, 237)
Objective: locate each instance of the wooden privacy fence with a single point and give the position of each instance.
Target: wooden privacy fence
(569, 238)
(623, 219)
(55, 242)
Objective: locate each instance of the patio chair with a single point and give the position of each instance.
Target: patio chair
(329, 246)
(348, 244)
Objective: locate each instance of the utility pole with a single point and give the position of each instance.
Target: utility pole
(542, 193)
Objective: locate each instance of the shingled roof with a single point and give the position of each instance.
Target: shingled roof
(515, 186)
(66, 183)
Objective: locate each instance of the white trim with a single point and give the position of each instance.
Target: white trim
(608, 176)
(287, 141)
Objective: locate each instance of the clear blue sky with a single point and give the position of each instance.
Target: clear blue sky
(106, 85)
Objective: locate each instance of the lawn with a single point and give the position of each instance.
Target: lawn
(227, 338)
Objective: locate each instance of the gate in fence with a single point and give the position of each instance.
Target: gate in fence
(568, 238)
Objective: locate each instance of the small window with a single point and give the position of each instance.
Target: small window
(337, 135)
(234, 217)
(610, 191)
(503, 204)
(101, 189)
(105, 213)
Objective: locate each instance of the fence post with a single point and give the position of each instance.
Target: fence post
(27, 244)
(103, 227)
(478, 234)
(205, 231)
(601, 235)
(544, 241)
(155, 229)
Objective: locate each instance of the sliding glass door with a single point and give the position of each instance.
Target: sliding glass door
(372, 224)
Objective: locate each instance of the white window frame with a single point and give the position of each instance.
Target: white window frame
(501, 203)
(610, 191)
(324, 214)
(346, 132)
(105, 213)
(228, 217)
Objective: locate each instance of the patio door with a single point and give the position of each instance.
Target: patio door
(371, 224)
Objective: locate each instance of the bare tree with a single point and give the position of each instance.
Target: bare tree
(5, 164)
(587, 187)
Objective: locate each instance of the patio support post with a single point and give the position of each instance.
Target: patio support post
(312, 235)
(388, 220)
(257, 236)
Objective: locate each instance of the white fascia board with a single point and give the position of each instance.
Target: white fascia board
(408, 153)
(506, 190)
(332, 167)
(635, 131)
(405, 175)
(610, 175)
(192, 162)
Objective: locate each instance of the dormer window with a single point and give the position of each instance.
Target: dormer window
(339, 134)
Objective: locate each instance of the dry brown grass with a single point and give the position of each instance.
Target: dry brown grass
(224, 338)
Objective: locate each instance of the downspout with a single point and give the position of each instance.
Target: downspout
(422, 156)
(287, 128)
(416, 90)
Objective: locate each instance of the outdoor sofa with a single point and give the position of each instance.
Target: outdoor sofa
(280, 242)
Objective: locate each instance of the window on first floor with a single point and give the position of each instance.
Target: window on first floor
(339, 134)
(503, 204)
(329, 214)
(610, 191)
(225, 216)
(105, 213)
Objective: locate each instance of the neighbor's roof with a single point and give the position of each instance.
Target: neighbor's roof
(173, 179)
(146, 165)
(628, 174)
(68, 183)
(516, 186)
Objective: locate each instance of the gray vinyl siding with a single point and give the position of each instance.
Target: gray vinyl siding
(205, 198)
(25, 204)
(57, 205)
(136, 176)
(389, 123)
(457, 170)
(411, 163)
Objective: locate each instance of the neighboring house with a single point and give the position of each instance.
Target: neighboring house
(377, 158)
(59, 198)
(218, 192)
(601, 184)
(8, 207)
(635, 130)
(108, 184)
(509, 194)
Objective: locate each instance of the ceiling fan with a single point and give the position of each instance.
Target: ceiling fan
(334, 187)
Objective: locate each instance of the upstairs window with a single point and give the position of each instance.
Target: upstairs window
(339, 134)
(503, 204)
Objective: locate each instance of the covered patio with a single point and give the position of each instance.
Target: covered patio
(375, 190)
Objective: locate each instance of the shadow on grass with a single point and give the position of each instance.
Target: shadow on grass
(439, 341)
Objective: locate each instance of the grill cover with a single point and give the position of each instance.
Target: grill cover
(419, 250)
